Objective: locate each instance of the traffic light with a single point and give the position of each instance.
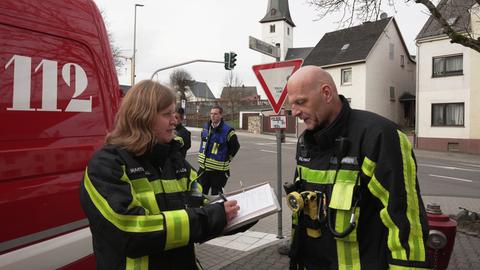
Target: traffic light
(230, 59)
(226, 56)
(233, 59)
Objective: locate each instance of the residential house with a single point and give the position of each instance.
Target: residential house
(371, 67)
(448, 110)
(240, 94)
(199, 91)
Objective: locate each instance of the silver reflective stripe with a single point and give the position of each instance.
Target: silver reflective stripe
(38, 236)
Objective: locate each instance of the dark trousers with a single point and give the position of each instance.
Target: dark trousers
(215, 180)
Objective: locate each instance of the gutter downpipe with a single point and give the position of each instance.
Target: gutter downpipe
(417, 93)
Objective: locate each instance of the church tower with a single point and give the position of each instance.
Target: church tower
(277, 27)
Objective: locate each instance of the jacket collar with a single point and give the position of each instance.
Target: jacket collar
(210, 126)
(324, 137)
(161, 152)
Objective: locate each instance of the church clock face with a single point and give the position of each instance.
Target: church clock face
(273, 11)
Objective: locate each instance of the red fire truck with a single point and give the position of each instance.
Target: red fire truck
(58, 97)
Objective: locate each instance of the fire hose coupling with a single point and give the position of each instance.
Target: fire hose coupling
(436, 239)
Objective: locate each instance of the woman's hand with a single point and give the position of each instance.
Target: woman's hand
(231, 209)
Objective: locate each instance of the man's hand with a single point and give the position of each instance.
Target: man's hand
(231, 209)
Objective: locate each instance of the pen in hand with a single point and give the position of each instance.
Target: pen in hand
(222, 196)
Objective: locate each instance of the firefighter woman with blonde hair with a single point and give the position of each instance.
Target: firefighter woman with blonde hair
(141, 196)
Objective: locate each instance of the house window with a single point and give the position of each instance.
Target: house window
(448, 114)
(392, 93)
(272, 28)
(447, 65)
(346, 76)
(391, 51)
(402, 61)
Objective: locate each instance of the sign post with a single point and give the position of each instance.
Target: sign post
(273, 77)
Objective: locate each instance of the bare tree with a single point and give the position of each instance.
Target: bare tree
(179, 80)
(234, 94)
(368, 10)
(116, 51)
(232, 79)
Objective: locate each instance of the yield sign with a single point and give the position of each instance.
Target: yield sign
(273, 78)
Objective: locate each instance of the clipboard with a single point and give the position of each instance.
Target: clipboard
(256, 202)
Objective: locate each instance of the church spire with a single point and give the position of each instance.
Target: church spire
(278, 10)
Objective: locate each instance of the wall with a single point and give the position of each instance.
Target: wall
(475, 80)
(442, 90)
(383, 73)
(354, 91)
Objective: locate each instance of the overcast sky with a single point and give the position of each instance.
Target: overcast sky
(174, 31)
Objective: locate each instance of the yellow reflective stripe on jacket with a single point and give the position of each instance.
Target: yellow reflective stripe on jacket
(342, 192)
(128, 223)
(316, 176)
(135, 202)
(170, 185)
(348, 251)
(137, 263)
(210, 163)
(398, 252)
(144, 192)
(215, 148)
(230, 134)
(178, 229)
(399, 267)
(368, 167)
(180, 140)
(415, 237)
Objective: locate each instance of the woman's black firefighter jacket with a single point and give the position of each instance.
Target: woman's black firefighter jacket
(375, 170)
(143, 210)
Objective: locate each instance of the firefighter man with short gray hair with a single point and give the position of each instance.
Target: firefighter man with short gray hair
(355, 198)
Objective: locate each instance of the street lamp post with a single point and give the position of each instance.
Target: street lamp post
(134, 42)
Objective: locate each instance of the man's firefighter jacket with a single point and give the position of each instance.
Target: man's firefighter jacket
(143, 210)
(391, 226)
(184, 138)
(218, 147)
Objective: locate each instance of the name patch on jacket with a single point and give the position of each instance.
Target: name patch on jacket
(181, 170)
(137, 170)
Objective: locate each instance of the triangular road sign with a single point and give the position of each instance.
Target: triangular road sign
(273, 78)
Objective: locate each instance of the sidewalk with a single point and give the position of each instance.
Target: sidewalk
(257, 248)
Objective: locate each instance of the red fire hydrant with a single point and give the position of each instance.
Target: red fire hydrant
(441, 238)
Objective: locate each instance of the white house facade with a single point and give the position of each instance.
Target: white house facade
(448, 89)
(371, 67)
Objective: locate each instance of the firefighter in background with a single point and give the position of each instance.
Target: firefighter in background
(183, 135)
(140, 195)
(218, 146)
(356, 194)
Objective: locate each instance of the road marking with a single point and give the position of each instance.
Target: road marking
(449, 167)
(268, 143)
(268, 151)
(453, 178)
(469, 164)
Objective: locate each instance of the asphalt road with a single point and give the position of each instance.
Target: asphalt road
(256, 162)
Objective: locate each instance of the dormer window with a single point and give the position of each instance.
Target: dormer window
(451, 21)
(273, 12)
(345, 46)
